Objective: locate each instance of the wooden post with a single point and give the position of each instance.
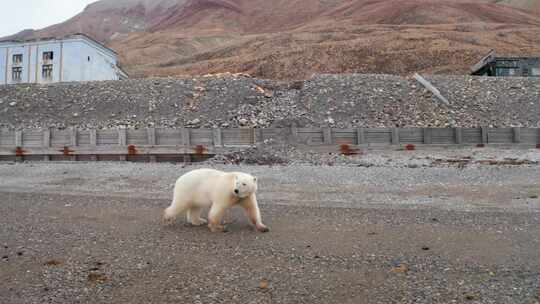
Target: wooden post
(517, 135)
(46, 142)
(327, 136)
(427, 136)
(186, 138)
(19, 143)
(294, 134)
(360, 136)
(257, 136)
(484, 132)
(395, 136)
(152, 142)
(122, 141)
(186, 141)
(73, 140)
(218, 137)
(458, 135)
(93, 143)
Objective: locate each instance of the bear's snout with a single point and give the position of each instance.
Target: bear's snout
(236, 191)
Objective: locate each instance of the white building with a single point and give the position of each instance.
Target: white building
(72, 58)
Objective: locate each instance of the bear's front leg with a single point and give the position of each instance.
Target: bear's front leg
(252, 211)
(214, 218)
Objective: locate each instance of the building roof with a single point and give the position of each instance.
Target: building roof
(70, 36)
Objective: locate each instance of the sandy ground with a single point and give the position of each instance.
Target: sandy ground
(91, 233)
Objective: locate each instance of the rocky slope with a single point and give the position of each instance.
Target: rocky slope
(241, 101)
(295, 39)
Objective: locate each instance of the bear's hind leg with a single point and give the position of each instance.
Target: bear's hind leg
(173, 211)
(194, 216)
(214, 218)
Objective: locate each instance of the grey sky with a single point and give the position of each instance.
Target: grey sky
(17, 15)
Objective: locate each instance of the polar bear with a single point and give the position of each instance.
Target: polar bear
(218, 190)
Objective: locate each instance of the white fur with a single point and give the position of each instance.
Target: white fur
(218, 190)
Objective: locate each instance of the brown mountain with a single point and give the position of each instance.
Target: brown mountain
(289, 39)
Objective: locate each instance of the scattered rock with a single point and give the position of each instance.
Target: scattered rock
(97, 278)
(470, 297)
(264, 284)
(53, 262)
(401, 268)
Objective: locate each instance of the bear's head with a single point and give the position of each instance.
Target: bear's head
(244, 185)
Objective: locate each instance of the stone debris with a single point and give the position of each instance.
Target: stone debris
(234, 100)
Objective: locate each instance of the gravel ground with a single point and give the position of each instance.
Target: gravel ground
(91, 233)
(341, 101)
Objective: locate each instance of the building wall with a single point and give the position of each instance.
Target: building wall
(73, 60)
(3, 65)
(83, 62)
(518, 67)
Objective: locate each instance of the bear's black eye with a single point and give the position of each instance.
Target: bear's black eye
(244, 184)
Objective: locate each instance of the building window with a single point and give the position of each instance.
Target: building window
(48, 56)
(17, 59)
(16, 74)
(46, 72)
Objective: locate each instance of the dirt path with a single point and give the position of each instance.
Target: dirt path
(63, 243)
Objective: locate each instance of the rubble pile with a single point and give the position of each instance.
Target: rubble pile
(237, 100)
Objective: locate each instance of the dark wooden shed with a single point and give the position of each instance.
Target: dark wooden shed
(492, 65)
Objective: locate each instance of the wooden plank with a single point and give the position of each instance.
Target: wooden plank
(445, 136)
(530, 136)
(484, 134)
(343, 136)
(93, 143)
(151, 132)
(472, 136)
(500, 135)
(360, 136)
(73, 140)
(46, 142)
(458, 135)
(107, 137)
(73, 136)
(168, 137)
(122, 141)
(204, 136)
(517, 135)
(121, 150)
(19, 143)
(186, 137)
(257, 136)
(395, 136)
(218, 137)
(411, 136)
(327, 136)
(32, 138)
(7, 138)
(294, 133)
(18, 138)
(427, 136)
(137, 137)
